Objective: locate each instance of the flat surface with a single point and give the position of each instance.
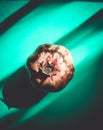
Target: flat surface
(77, 25)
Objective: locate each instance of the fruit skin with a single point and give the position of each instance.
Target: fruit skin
(50, 68)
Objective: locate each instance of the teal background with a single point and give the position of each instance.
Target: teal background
(77, 25)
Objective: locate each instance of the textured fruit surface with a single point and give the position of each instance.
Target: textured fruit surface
(50, 67)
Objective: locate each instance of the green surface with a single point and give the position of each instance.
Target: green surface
(10, 7)
(75, 25)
